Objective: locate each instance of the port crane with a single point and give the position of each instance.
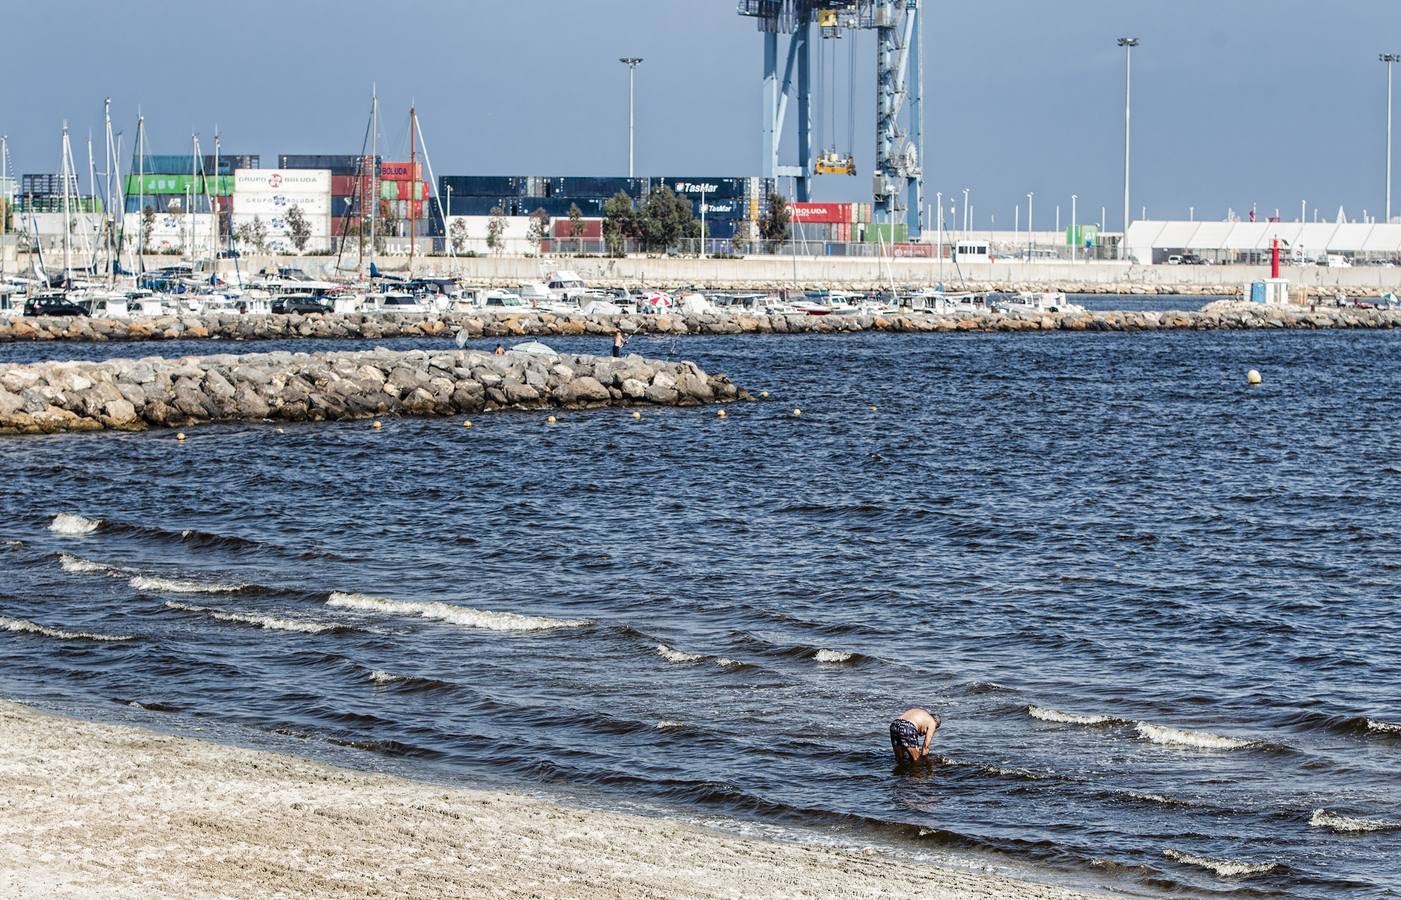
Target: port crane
(898, 179)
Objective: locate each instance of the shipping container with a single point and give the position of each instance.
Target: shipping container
(278, 204)
(887, 234)
(720, 229)
(563, 228)
(401, 171)
(482, 185)
(227, 163)
(351, 185)
(594, 188)
(712, 188)
(221, 185)
(320, 225)
(283, 181)
(161, 203)
(399, 190)
(821, 213)
(46, 185)
(336, 164)
(52, 204)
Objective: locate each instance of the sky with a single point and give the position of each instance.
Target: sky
(1236, 102)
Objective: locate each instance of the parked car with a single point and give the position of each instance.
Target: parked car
(53, 306)
(300, 303)
(1192, 259)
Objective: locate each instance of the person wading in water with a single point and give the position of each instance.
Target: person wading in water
(911, 734)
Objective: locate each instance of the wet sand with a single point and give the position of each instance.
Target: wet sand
(123, 812)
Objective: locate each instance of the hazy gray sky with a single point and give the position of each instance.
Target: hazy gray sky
(1236, 101)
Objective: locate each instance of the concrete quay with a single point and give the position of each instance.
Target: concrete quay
(135, 394)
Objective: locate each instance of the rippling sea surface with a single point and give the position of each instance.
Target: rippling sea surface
(1157, 609)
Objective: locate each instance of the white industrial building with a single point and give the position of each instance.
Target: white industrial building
(1324, 243)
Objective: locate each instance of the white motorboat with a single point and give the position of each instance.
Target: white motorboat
(1036, 302)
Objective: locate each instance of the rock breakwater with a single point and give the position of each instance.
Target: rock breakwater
(1219, 315)
(135, 394)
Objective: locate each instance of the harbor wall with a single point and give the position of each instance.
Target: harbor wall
(358, 326)
(135, 394)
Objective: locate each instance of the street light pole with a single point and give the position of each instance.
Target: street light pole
(1128, 43)
(1388, 58)
(1030, 227)
(632, 62)
(1074, 231)
(965, 213)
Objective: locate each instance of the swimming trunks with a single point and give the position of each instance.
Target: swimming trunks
(903, 733)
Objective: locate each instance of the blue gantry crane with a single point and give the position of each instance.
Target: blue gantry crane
(898, 179)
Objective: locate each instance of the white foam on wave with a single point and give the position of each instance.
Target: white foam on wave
(1322, 818)
(379, 677)
(1181, 737)
(673, 655)
(1046, 714)
(1383, 727)
(668, 724)
(831, 656)
(725, 662)
(69, 524)
(77, 564)
(1226, 868)
(178, 586)
(455, 615)
(24, 625)
(271, 623)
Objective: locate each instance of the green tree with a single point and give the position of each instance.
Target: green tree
(457, 235)
(665, 219)
(620, 223)
(773, 227)
(539, 229)
(298, 228)
(494, 228)
(576, 221)
(253, 234)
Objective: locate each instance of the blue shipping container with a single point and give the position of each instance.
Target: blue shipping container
(481, 185)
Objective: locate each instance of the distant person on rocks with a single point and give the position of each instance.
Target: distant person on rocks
(911, 734)
(618, 341)
(500, 350)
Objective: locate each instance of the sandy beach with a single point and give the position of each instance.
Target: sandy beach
(120, 811)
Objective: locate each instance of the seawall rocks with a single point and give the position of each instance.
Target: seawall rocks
(1218, 315)
(134, 394)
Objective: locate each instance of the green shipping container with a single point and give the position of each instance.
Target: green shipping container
(889, 234)
(399, 190)
(158, 185)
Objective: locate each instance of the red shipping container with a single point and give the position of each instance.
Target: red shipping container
(593, 229)
(401, 171)
(820, 213)
(344, 185)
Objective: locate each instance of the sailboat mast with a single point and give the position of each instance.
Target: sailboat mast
(413, 181)
(66, 212)
(374, 175)
(190, 194)
(141, 192)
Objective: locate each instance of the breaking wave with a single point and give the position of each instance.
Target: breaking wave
(1226, 868)
(831, 656)
(69, 524)
(669, 724)
(178, 586)
(444, 612)
(1383, 727)
(1181, 737)
(77, 564)
(673, 655)
(1322, 818)
(272, 623)
(1046, 714)
(24, 625)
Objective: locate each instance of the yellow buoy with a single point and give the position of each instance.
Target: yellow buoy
(720, 414)
(636, 414)
(375, 424)
(180, 436)
(764, 394)
(1253, 377)
(467, 424)
(797, 412)
(551, 420)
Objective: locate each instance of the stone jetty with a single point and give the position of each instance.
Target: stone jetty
(135, 394)
(354, 326)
